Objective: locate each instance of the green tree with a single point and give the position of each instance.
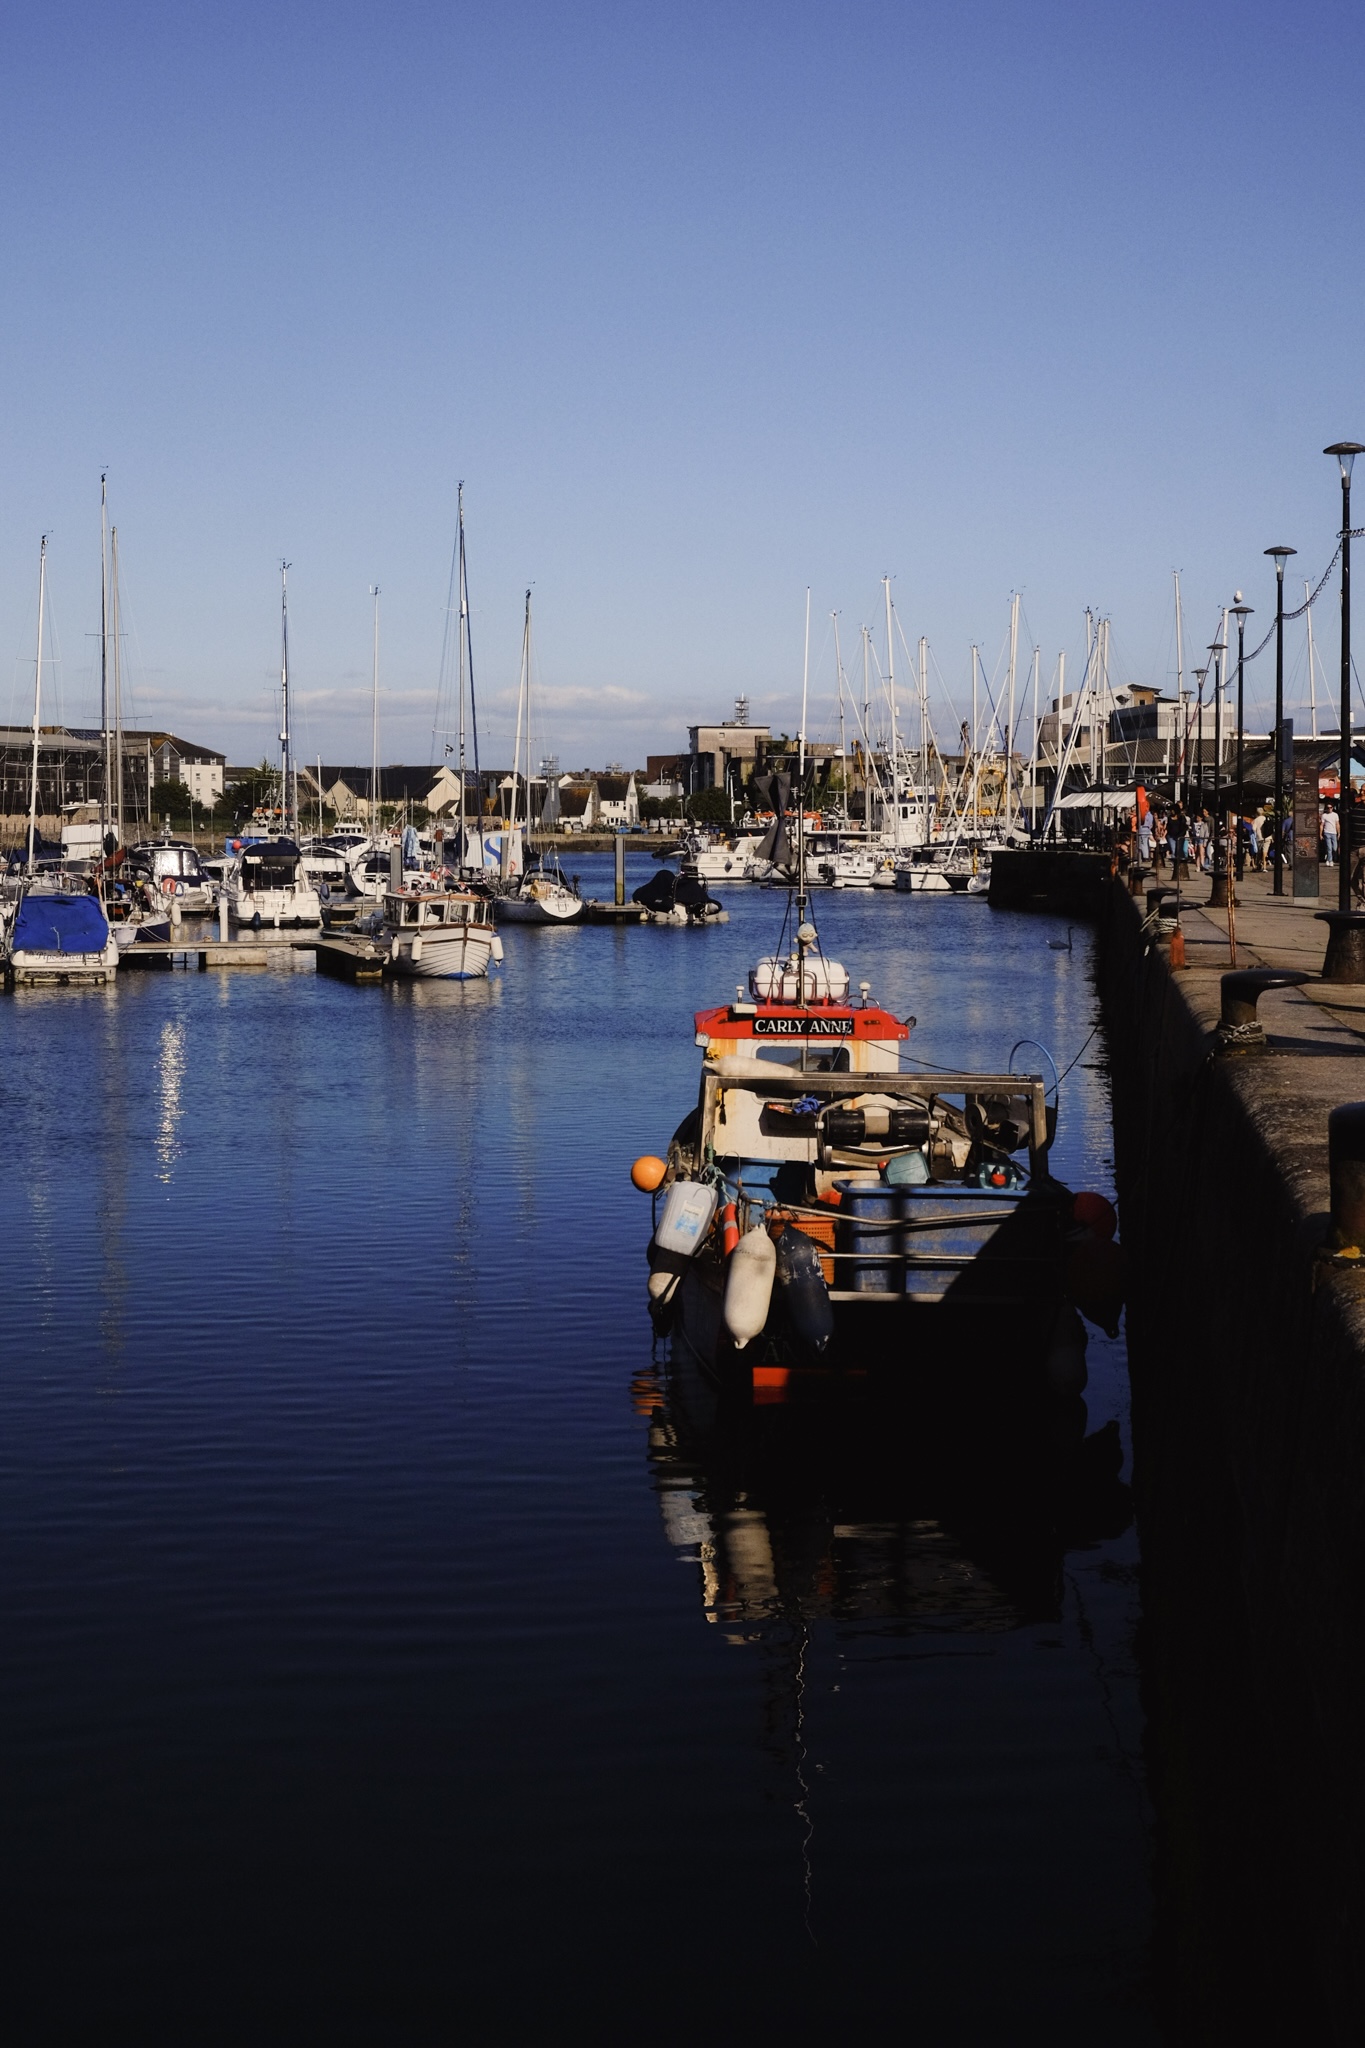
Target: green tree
(709, 807)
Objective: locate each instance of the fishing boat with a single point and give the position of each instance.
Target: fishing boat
(435, 933)
(542, 896)
(821, 1206)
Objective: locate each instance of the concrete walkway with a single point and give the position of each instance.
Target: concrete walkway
(1274, 931)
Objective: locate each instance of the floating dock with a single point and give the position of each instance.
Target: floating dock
(206, 953)
(351, 959)
(614, 913)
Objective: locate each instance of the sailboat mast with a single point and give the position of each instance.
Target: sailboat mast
(1179, 686)
(104, 663)
(867, 734)
(801, 823)
(116, 650)
(37, 711)
(891, 692)
(286, 818)
(839, 684)
(924, 735)
(1033, 757)
(1009, 721)
(469, 654)
(522, 684)
(374, 718)
(976, 758)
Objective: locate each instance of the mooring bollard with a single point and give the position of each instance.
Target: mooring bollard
(1239, 1028)
(620, 868)
(1345, 959)
(1137, 880)
(223, 913)
(1346, 1168)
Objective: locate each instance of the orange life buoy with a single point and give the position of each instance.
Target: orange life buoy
(171, 885)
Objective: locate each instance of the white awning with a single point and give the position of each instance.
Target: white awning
(1090, 800)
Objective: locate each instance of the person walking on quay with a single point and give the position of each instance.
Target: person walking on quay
(1331, 832)
(1180, 846)
(1160, 842)
(1201, 835)
(1144, 839)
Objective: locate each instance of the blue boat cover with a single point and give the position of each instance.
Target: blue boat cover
(60, 924)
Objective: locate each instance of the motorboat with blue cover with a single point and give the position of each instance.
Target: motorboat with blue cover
(59, 939)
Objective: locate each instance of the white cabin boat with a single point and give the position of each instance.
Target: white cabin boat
(268, 886)
(58, 939)
(436, 934)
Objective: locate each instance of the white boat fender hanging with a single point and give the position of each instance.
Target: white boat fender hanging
(804, 1294)
(688, 1208)
(749, 1278)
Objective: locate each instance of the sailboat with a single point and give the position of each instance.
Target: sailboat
(268, 884)
(541, 895)
(55, 937)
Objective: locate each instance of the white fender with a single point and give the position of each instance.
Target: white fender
(749, 1285)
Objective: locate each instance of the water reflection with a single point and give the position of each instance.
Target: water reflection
(170, 1069)
(850, 1511)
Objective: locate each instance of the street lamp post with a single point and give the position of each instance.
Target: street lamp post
(1199, 676)
(1218, 895)
(1346, 453)
(1279, 556)
(1241, 612)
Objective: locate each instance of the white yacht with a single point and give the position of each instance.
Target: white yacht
(268, 886)
(542, 896)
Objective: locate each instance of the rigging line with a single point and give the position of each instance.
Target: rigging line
(1071, 1063)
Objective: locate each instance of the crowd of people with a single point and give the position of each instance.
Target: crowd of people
(1181, 839)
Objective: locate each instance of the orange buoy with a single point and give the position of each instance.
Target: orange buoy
(1177, 948)
(729, 1228)
(648, 1172)
(1097, 1213)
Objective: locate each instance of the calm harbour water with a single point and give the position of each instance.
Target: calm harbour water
(365, 1670)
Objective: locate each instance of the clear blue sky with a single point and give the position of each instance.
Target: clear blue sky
(705, 304)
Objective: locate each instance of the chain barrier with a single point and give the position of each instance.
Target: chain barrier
(1354, 534)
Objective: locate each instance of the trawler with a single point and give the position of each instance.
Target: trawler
(822, 1207)
(435, 933)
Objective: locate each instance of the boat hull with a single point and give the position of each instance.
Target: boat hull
(530, 910)
(274, 907)
(985, 1300)
(433, 954)
(33, 969)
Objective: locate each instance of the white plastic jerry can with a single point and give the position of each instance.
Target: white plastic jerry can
(688, 1210)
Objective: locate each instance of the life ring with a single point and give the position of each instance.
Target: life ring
(171, 885)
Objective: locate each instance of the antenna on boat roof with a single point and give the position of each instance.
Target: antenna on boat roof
(804, 934)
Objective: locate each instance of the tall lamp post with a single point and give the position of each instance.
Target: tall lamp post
(1198, 783)
(1218, 895)
(1346, 453)
(1279, 556)
(1241, 612)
